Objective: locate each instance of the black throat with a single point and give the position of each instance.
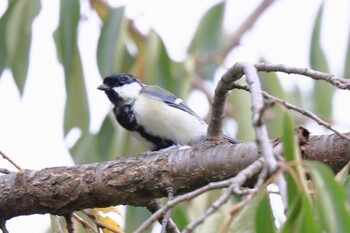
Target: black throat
(113, 97)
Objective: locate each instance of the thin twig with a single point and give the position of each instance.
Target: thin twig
(221, 201)
(218, 104)
(69, 223)
(213, 207)
(261, 133)
(155, 205)
(244, 26)
(314, 74)
(241, 204)
(239, 179)
(10, 160)
(167, 214)
(297, 109)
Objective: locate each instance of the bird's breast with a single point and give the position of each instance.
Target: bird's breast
(126, 117)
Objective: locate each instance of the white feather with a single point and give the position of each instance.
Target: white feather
(128, 92)
(168, 122)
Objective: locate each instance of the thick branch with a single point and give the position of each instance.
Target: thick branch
(138, 180)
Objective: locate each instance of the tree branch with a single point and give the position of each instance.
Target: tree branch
(138, 180)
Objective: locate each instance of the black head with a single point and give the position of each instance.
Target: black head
(117, 80)
(121, 88)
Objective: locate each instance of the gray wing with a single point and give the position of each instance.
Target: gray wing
(232, 140)
(168, 98)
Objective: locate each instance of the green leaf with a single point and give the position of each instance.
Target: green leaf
(18, 38)
(111, 44)
(241, 101)
(264, 217)
(300, 216)
(66, 33)
(323, 96)
(209, 32)
(159, 67)
(152, 51)
(271, 84)
(347, 188)
(58, 224)
(323, 91)
(330, 199)
(3, 48)
(216, 222)
(318, 59)
(249, 218)
(172, 75)
(76, 111)
(290, 153)
(207, 39)
(135, 216)
(288, 137)
(84, 151)
(102, 146)
(179, 215)
(343, 174)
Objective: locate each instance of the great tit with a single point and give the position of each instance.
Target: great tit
(154, 116)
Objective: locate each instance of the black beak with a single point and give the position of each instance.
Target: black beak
(104, 87)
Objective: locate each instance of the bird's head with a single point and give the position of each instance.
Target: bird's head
(121, 88)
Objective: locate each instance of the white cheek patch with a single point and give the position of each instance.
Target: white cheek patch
(128, 91)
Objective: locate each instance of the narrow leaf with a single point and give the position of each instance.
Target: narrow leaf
(248, 219)
(208, 34)
(290, 153)
(104, 145)
(271, 84)
(300, 216)
(264, 217)
(347, 188)
(343, 174)
(330, 199)
(152, 49)
(76, 113)
(242, 102)
(112, 42)
(207, 38)
(323, 91)
(66, 33)
(76, 110)
(4, 20)
(18, 38)
(288, 137)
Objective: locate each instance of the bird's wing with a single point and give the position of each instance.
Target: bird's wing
(168, 98)
(232, 140)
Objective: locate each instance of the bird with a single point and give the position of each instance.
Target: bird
(154, 116)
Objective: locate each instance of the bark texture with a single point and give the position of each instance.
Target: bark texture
(138, 180)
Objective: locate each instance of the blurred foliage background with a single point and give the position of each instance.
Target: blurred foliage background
(123, 47)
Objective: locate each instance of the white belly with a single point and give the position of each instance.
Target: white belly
(170, 123)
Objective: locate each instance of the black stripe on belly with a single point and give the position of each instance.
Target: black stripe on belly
(127, 119)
